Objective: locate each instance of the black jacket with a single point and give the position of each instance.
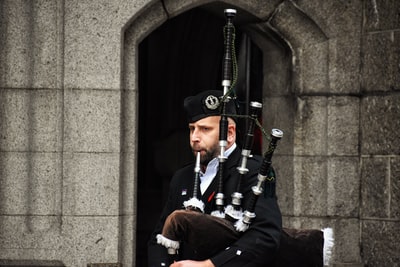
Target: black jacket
(257, 246)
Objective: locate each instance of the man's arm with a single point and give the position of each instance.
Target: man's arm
(157, 254)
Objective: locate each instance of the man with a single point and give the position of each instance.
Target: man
(255, 247)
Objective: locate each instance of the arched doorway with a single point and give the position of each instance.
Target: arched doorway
(296, 72)
(180, 58)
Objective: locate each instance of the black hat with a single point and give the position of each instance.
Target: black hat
(205, 104)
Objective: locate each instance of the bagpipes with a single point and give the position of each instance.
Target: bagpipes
(298, 247)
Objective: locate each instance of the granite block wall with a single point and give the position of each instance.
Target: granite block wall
(60, 126)
(380, 113)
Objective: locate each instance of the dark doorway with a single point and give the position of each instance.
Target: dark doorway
(180, 58)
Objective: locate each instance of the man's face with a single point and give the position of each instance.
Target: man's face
(204, 138)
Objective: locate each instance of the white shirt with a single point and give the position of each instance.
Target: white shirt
(211, 170)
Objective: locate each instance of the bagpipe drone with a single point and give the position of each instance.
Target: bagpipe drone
(298, 247)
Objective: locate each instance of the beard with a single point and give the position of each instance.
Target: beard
(208, 154)
(207, 157)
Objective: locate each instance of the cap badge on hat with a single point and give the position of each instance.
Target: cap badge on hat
(211, 102)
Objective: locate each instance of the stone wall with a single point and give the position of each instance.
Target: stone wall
(379, 124)
(61, 192)
(68, 119)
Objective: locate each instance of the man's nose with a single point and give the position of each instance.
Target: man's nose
(195, 135)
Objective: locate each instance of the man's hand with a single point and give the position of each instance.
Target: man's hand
(188, 263)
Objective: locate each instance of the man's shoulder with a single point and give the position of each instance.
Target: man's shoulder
(186, 168)
(183, 173)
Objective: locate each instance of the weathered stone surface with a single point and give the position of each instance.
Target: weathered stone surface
(380, 242)
(20, 238)
(312, 68)
(307, 223)
(89, 240)
(30, 120)
(328, 67)
(311, 46)
(276, 60)
(296, 27)
(128, 186)
(343, 125)
(343, 194)
(334, 18)
(395, 188)
(327, 55)
(310, 186)
(278, 113)
(91, 184)
(374, 187)
(30, 183)
(128, 232)
(347, 236)
(129, 120)
(127, 202)
(304, 194)
(16, 227)
(30, 44)
(92, 47)
(382, 15)
(310, 126)
(258, 8)
(285, 185)
(92, 121)
(344, 64)
(381, 60)
(379, 125)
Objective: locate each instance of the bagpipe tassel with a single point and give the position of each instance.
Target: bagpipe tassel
(194, 203)
(171, 245)
(328, 245)
(235, 214)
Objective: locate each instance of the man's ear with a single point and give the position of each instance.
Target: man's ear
(231, 133)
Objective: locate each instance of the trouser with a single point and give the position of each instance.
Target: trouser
(205, 233)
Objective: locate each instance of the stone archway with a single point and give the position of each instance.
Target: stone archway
(277, 31)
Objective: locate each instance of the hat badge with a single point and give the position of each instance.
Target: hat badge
(211, 102)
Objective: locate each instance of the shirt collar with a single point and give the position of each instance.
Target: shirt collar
(230, 150)
(213, 164)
